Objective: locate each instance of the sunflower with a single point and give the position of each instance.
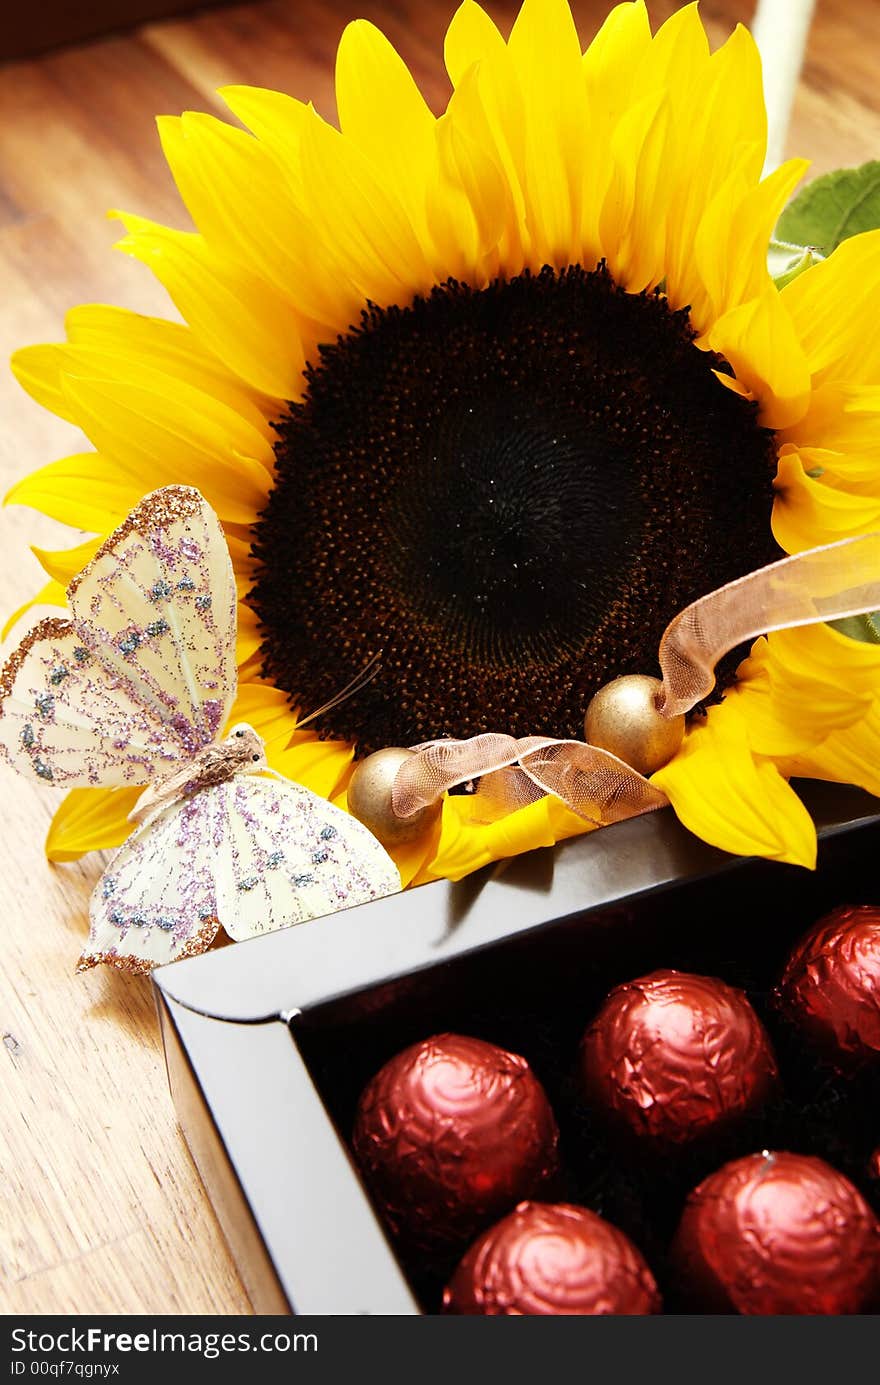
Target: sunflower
(482, 400)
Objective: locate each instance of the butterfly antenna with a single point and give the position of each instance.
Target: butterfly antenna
(357, 684)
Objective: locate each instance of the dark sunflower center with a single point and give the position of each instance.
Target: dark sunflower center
(505, 495)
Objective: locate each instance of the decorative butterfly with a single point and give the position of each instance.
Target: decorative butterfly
(134, 689)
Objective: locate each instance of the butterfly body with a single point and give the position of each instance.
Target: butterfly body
(135, 689)
(241, 752)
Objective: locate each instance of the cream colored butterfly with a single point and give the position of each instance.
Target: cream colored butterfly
(135, 688)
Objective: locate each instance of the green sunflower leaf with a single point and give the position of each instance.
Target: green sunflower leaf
(864, 628)
(785, 262)
(833, 208)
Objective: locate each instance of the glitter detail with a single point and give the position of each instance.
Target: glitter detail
(108, 885)
(190, 549)
(186, 584)
(165, 924)
(43, 770)
(233, 828)
(327, 833)
(116, 916)
(27, 736)
(50, 629)
(130, 642)
(141, 966)
(158, 510)
(319, 857)
(58, 674)
(138, 920)
(157, 627)
(44, 702)
(213, 710)
(160, 589)
(81, 654)
(203, 603)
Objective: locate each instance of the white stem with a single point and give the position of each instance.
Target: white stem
(780, 29)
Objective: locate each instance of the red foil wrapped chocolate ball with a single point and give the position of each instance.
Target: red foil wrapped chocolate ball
(673, 1057)
(552, 1259)
(830, 989)
(452, 1133)
(775, 1234)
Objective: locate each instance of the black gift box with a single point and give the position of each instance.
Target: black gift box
(270, 1042)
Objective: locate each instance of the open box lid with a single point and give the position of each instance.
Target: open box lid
(296, 968)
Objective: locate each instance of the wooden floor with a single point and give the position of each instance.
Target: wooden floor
(101, 1209)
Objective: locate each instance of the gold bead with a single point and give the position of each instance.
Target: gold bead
(623, 718)
(369, 799)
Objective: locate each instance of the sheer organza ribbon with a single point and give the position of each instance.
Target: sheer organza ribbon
(828, 583)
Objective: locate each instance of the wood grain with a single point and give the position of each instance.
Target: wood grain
(100, 1207)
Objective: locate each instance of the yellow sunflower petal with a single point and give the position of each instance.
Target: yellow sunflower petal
(853, 471)
(631, 222)
(730, 97)
(414, 858)
(321, 766)
(234, 313)
(90, 820)
(812, 667)
(238, 201)
(110, 341)
(37, 370)
(363, 220)
(759, 341)
(382, 111)
(174, 436)
(807, 511)
(613, 58)
(85, 491)
(545, 55)
(834, 307)
(63, 564)
(172, 349)
(468, 200)
(276, 118)
(53, 594)
(493, 113)
(772, 731)
(466, 844)
(267, 710)
(843, 419)
(819, 681)
(471, 37)
(613, 66)
(225, 426)
(732, 798)
(249, 637)
(730, 248)
(849, 756)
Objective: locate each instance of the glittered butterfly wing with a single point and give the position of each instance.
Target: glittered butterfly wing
(288, 856)
(253, 854)
(67, 720)
(156, 901)
(143, 675)
(157, 604)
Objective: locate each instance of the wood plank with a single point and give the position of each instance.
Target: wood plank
(32, 29)
(100, 1207)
